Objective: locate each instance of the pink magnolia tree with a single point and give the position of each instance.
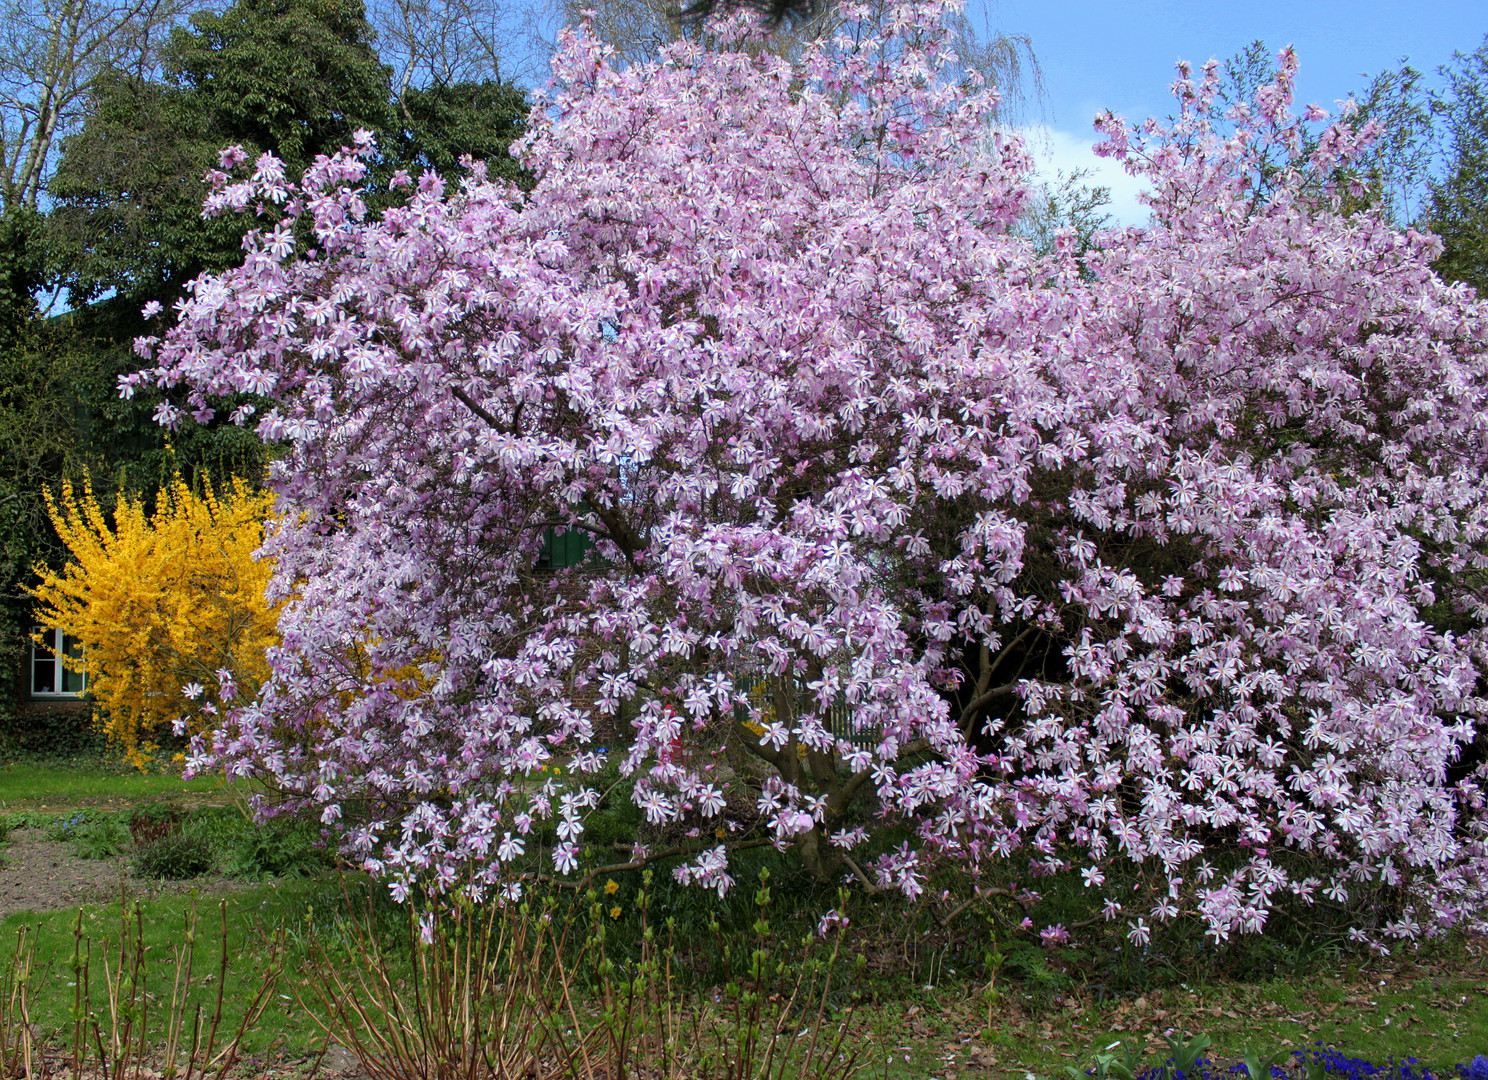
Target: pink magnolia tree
(1167, 567)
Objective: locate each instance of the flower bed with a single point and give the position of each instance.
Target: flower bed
(1310, 1065)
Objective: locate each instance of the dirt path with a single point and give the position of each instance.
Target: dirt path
(37, 874)
(41, 875)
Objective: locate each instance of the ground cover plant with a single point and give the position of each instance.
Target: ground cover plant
(1188, 1061)
(168, 841)
(159, 828)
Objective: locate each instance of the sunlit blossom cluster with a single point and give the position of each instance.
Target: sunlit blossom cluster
(1209, 501)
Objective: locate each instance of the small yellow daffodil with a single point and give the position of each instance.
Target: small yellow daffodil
(612, 887)
(614, 912)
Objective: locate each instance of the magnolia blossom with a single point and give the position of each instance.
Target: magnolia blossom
(1162, 563)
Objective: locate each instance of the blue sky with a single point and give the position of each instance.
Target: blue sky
(1119, 54)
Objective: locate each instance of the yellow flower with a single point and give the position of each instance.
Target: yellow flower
(157, 599)
(718, 832)
(612, 887)
(614, 913)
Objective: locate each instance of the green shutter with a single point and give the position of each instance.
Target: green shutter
(563, 549)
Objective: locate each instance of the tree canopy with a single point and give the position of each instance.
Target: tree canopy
(1132, 564)
(291, 77)
(104, 142)
(295, 77)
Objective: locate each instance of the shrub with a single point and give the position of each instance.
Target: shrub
(101, 838)
(275, 849)
(1165, 558)
(513, 990)
(176, 856)
(153, 821)
(162, 603)
(50, 738)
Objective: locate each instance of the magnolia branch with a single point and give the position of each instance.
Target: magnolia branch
(677, 851)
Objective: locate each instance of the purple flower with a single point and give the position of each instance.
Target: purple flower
(840, 444)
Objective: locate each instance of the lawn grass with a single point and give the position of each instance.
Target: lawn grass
(93, 784)
(258, 919)
(1433, 1006)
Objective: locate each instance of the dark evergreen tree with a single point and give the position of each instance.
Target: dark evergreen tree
(435, 126)
(127, 216)
(293, 76)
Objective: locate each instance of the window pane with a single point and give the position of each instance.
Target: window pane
(73, 679)
(43, 665)
(49, 636)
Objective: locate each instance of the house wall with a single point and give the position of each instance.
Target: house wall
(46, 725)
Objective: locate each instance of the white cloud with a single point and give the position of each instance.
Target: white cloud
(1056, 151)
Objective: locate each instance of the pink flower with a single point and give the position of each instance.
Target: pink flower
(1080, 561)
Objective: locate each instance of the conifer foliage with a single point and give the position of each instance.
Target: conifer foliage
(1164, 564)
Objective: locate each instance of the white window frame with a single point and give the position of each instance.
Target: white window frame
(57, 646)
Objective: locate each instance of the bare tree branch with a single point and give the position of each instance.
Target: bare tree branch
(50, 50)
(445, 42)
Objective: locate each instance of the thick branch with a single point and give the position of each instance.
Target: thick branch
(621, 533)
(763, 751)
(969, 713)
(479, 410)
(857, 872)
(844, 795)
(989, 664)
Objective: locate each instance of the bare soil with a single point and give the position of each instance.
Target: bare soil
(37, 874)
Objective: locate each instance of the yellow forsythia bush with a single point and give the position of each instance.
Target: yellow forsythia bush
(161, 601)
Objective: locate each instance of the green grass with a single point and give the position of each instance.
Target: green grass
(28, 787)
(1433, 1006)
(257, 919)
(1055, 1009)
